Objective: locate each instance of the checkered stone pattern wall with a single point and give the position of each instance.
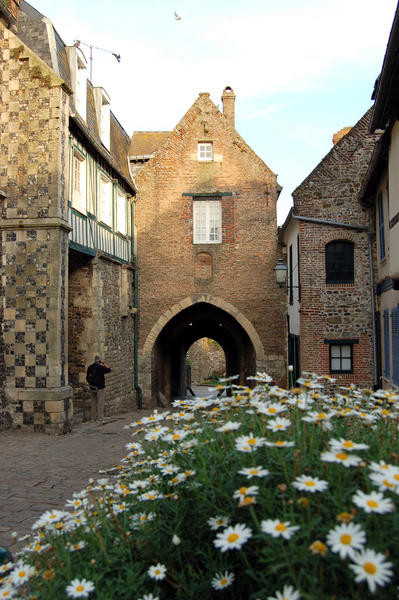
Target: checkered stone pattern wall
(33, 139)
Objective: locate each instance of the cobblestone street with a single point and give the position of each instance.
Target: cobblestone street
(40, 472)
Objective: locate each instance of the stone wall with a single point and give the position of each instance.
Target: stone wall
(336, 311)
(206, 358)
(100, 324)
(33, 139)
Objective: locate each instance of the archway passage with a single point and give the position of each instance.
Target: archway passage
(197, 321)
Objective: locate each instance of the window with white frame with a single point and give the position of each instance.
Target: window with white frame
(205, 151)
(121, 206)
(78, 181)
(105, 200)
(207, 222)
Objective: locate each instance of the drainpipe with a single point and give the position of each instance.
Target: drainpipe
(139, 391)
(373, 310)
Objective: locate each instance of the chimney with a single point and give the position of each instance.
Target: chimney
(228, 99)
(340, 134)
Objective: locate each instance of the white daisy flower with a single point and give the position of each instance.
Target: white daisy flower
(270, 409)
(305, 483)
(253, 472)
(49, 518)
(21, 573)
(229, 426)
(252, 490)
(385, 481)
(77, 546)
(346, 539)
(373, 502)
(371, 566)
(233, 538)
(346, 445)
(280, 444)
(249, 443)
(318, 417)
(176, 436)
(6, 592)
(218, 521)
(222, 580)
(277, 528)
(157, 572)
(149, 597)
(288, 593)
(79, 588)
(278, 424)
(6, 567)
(343, 458)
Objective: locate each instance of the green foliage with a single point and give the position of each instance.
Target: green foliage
(182, 472)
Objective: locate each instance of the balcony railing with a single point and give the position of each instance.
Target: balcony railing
(90, 236)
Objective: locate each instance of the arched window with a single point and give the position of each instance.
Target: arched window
(339, 262)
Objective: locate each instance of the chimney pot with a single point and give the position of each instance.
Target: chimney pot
(228, 99)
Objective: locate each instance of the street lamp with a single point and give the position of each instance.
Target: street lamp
(280, 271)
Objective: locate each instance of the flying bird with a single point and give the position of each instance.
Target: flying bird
(177, 17)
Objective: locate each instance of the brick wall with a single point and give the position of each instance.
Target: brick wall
(336, 311)
(240, 270)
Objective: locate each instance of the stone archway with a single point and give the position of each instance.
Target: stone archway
(162, 359)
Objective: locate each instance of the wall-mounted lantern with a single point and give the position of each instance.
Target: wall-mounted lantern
(281, 271)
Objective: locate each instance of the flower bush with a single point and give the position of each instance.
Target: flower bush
(258, 493)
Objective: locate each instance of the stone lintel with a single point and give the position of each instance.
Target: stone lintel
(48, 394)
(42, 223)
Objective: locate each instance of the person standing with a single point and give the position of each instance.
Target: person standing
(96, 380)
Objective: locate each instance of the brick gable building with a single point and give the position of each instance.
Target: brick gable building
(206, 248)
(330, 265)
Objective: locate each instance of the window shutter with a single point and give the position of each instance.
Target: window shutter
(387, 354)
(395, 344)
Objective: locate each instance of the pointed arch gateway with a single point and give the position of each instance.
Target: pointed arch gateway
(162, 361)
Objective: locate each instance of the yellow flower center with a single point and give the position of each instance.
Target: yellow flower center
(271, 409)
(321, 415)
(157, 571)
(22, 574)
(280, 527)
(396, 477)
(372, 503)
(248, 500)
(370, 568)
(80, 588)
(251, 441)
(243, 491)
(345, 538)
(176, 436)
(279, 443)
(388, 483)
(341, 455)
(348, 444)
(254, 471)
(310, 483)
(233, 537)
(223, 581)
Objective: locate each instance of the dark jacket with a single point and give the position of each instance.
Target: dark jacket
(95, 373)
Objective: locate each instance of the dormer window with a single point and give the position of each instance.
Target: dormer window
(77, 65)
(103, 102)
(205, 151)
(81, 87)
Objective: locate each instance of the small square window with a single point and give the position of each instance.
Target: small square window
(341, 358)
(205, 151)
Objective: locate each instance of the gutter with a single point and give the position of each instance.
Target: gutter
(139, 391)
(332, 223)
(373, 311)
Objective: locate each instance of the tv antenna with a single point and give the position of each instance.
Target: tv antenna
(80, 43)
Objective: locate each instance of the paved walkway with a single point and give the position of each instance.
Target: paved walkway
(39, 472)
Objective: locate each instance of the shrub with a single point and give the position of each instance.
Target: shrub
(261, 494)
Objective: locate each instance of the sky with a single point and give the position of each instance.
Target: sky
(301, 69)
